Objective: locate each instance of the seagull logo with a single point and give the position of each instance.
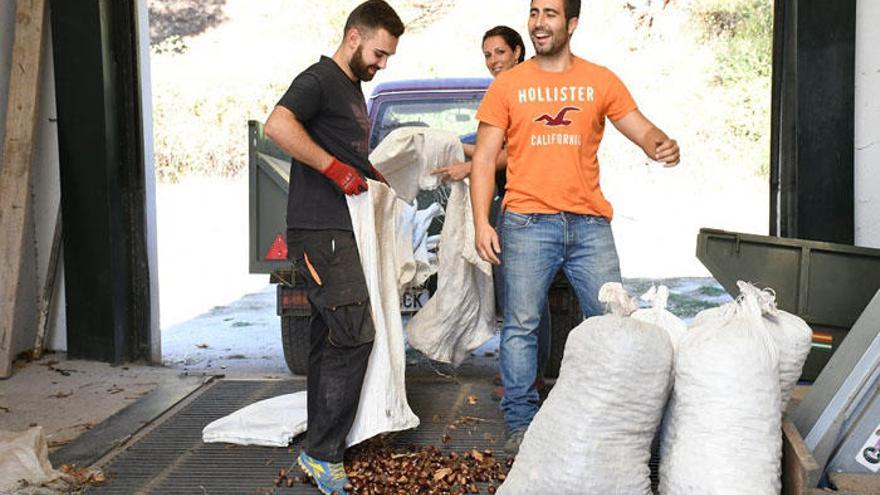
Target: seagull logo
(559, 119)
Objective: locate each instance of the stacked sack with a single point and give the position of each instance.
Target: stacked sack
(792, 335)
(675, 327)
(658, 315)
(734, 370)
(593, 434)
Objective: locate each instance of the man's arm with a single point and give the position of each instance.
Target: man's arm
(460, 170)
(489, 142)
(288, 133)
(654, 142)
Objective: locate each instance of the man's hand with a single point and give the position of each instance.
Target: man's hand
(345, 177)
(487, 244)
(667, 152)
(654, 142)
(455, 172)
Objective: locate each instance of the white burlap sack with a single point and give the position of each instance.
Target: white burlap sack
(659, 315)
(408, 155)
(676, 328)
(792, 335)
(24, 456)
(415, 257)
(272, 422)
(460, 316)
(593, 434)
(724, 432)
(383, 406)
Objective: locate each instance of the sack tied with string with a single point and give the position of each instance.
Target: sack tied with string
(725, 419)
(593, 434)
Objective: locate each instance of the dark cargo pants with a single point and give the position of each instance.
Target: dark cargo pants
(341, 334)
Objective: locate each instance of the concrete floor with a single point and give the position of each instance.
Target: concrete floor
(68, 398)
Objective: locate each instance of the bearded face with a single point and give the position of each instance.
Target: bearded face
(362, 69)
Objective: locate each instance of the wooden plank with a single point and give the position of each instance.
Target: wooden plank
(862, 484)
(800, 472)
(15, 175)
(45, 302)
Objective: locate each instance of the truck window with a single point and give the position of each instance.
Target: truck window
(451, 114)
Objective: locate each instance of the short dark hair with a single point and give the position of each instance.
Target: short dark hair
(375, 14)
(511, 37)
(572, 9)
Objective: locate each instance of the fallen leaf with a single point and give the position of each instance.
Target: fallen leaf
(477, 455)
(441, 473)
(472, 399)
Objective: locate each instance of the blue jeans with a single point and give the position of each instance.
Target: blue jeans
(533, 248)
(543, 324)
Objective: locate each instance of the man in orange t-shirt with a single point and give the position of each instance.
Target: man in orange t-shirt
(552, 111)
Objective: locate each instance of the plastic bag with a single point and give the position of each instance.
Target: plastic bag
(725, 415)
(593, 434)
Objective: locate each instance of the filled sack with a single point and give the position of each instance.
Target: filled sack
(792, 335)
(725, 415)
(659, 315)
(593, 434)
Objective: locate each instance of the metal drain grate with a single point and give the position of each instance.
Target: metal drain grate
(172, 459)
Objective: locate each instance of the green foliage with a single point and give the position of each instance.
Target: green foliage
(712, 291)
(740, 33)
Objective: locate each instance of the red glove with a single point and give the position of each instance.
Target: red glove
(345, 177)
(378, 175)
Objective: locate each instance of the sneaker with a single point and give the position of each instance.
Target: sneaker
(329, 477)
(514, 439)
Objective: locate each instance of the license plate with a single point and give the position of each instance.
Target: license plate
(413, 300)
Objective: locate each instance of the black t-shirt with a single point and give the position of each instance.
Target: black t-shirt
(332, 109)
(501, 182)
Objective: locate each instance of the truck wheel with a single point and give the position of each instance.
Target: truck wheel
(295, 342)
(565, 314)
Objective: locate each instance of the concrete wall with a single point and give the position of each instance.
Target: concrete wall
(867, 124)
(45, 194)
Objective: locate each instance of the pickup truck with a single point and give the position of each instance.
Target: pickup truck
(445, 103)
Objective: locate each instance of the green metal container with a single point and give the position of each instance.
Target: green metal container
(826, 284)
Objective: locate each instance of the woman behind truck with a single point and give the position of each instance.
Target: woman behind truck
(503, 48)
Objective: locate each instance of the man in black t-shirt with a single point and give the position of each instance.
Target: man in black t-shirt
(321, 122)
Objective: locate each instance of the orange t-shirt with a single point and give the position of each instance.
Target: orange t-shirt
(554, 123)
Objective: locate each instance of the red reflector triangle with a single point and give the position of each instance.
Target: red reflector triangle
(278, 250)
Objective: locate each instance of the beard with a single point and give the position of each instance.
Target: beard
(556, 44)
(360, 68)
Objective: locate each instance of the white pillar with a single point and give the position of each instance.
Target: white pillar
(867, 124)
(143, 32)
